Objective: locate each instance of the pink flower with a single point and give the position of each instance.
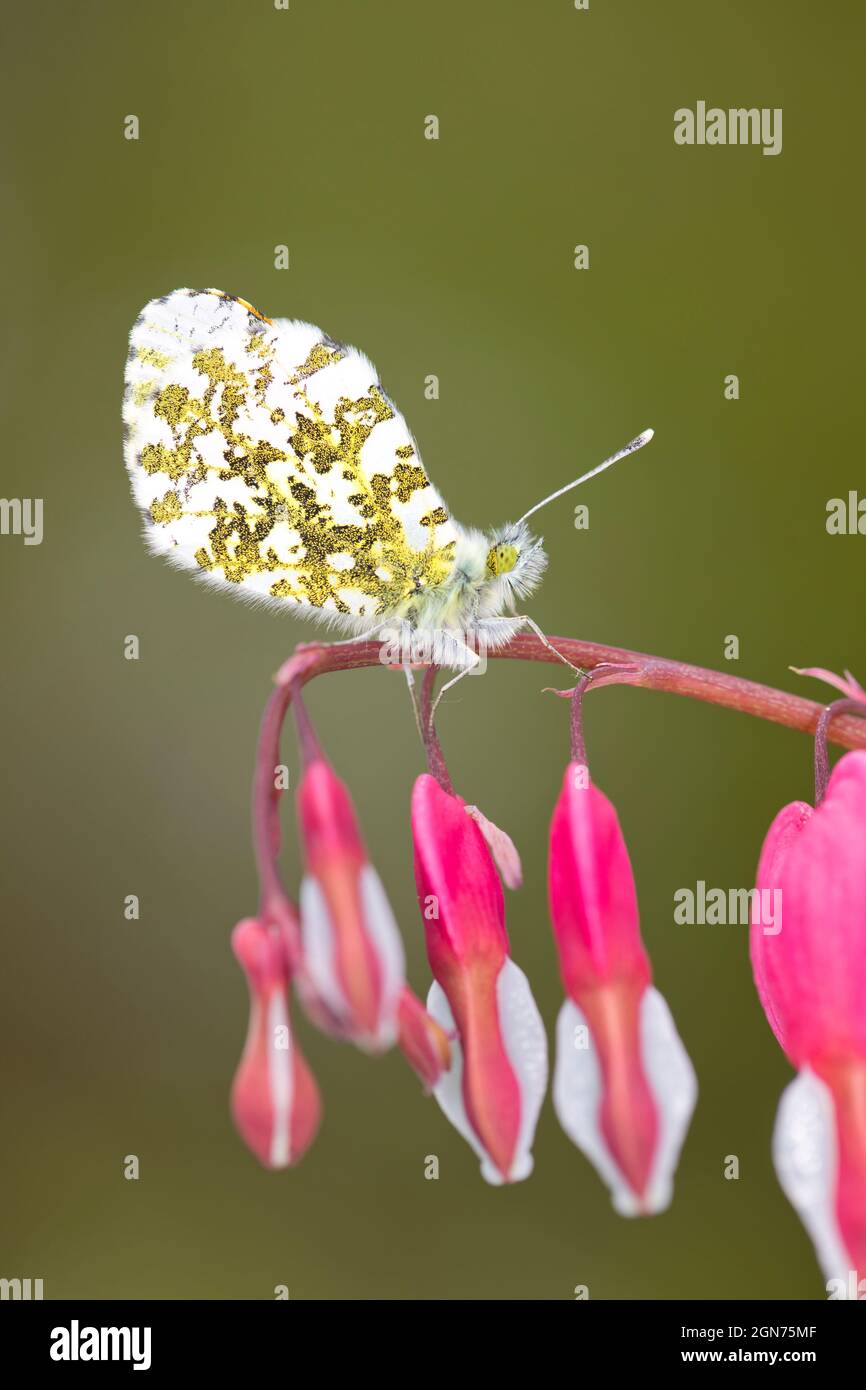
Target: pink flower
(423, 1041)
(493, 1090)
(624, 1088)
(811, 979)
(352, 951)
(275, 1100)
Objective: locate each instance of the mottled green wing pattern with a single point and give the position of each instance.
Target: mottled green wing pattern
(268, 458)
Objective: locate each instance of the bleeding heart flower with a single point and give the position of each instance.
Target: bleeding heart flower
(352, 951)
(811, 979)
(275, 1100)
(493, 1090)
(624, 1088)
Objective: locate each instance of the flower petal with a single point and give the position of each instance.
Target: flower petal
(524, 1044)
(805, 1156)
(275, 1101)
(811, 976)
(578, 1096)
(593, 904)
(353, 953)
(459, 890)
(767, 964)
(501, 846)
(423, 1042)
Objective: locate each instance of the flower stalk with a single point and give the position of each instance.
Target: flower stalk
(502, 1134)
(649, 672)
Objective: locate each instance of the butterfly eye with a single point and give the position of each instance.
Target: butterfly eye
(502, 558)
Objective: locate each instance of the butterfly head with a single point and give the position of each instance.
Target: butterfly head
(515, 561)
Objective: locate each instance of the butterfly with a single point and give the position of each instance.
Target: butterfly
(268, 458)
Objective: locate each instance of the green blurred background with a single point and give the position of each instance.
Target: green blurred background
(305, 127)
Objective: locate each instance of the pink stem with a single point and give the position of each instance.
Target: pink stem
(275, 906)
(436, 765)
(309, 745)
(822, 762)
(651, 672)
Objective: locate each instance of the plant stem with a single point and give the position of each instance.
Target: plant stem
(436, 765)
(822, 762)
(650, 672)
(653, 673)
(274, 903)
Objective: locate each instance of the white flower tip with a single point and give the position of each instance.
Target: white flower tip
(520, 1170)
(321, 943)
(577, 1095)
(805, 1156)
(525, 1043)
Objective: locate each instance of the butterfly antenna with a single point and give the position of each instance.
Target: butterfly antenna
(631, 448)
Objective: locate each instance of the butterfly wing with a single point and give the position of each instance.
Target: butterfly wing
(268, 458)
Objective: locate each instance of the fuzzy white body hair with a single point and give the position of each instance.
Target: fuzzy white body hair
(474, 611)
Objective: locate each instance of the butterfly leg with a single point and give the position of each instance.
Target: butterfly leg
(473, 660)
(526, 621)
(410, 681)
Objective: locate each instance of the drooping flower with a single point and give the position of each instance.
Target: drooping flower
(353, 955)
(275, 1101)
(493, 1089)
(811, 980)
(624, 1088)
